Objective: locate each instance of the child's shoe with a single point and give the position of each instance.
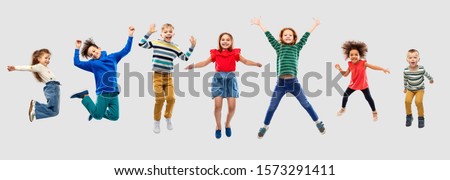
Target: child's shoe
(321, 127)
(169, 124)
(409, 120)
(31, 111)
(421, 122)
(80, 94)
(228, 131)
(218, 133)
(156, 128)
(262, 131)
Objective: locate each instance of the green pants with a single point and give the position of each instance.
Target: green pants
(107, 106)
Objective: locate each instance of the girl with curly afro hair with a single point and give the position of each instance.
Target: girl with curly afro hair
(356, 52)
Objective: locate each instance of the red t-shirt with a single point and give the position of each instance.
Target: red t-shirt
(225, 60)
(359, 77)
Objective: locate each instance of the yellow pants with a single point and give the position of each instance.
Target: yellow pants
(419, 101)
(163, 88)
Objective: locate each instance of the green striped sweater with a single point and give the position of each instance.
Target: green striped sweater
(414, 80)
(287, 55)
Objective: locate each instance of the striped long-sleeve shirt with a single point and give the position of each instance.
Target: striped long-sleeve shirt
(287, 55)
(164, 53)
(414, 80)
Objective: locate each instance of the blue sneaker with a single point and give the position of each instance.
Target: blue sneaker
(218, 134)
(80, 94)
(409, 120)
(228, 132)
(262, 131)
(321, 127)
(421, 122)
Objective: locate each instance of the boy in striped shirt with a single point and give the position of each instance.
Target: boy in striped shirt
(164, 52)
(414, 83)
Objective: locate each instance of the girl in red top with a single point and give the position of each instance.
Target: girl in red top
(356, 51)
(224, 83)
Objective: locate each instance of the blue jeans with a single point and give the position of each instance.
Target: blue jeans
(288, 86)
(51, 109)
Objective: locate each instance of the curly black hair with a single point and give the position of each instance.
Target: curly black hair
(361, 47)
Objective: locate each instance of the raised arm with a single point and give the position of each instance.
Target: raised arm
(145, 43)
(378, 68)
(316, 23)
(248, 62)
(275, 44)
(257, 21)
(122, 53)
(199, 64)
(76, 58)
(185, 56)
(344, 73)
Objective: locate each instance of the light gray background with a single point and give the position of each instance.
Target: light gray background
(389, 29)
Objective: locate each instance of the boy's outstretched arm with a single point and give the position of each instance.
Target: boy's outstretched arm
(316, 23)
(257, 21)
(76, 58)
(374, 67)
(248, 62)
(199, 64)
(144, 43)
(185, 56)
(122, 53)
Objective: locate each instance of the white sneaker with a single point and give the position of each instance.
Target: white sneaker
(156, 128)
(31, 111)
(169, 124)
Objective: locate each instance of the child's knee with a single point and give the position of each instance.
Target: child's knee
(170, 99)
(419, 103)
(160, 100)
(114, 117)
(408, 101)
(97, 116)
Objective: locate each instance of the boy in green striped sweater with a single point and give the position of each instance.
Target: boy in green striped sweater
(164, 52)
(288, 50)
(414, 83)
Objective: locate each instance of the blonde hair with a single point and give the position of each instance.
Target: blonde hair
(167, 25)
(413, 51)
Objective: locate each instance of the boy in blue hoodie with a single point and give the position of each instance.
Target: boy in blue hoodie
(104, 67)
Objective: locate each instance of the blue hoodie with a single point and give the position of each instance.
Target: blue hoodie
(104, 68)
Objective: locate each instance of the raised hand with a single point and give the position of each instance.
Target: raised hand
(152, 28)
(256, 21)
(386, 71)
(131, 30)
(78, 44)
(193, 41)
(316, 23)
